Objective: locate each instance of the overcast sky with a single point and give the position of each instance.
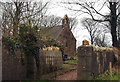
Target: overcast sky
(55, 8)
(79, 33)
(58, 10)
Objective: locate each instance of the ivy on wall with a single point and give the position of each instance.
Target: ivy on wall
(29, 41)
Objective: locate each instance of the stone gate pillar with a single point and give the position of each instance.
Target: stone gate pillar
(84, 62)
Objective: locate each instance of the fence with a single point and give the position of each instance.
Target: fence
(92, 61)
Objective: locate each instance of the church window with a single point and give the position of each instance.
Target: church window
(66, 44)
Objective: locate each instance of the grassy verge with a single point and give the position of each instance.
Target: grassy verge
(69, 67)
(66, 67)
(106, 75)
(71, 62)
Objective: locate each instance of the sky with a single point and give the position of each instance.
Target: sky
(55, 8)
(79, 33)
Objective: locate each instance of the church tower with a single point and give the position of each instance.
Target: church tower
(65, 22)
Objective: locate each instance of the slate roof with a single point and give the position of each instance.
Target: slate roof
(52, 32)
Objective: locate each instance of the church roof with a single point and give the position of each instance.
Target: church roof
(52, 32)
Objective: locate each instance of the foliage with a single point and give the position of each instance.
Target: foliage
(10, 43)
(27, 37)
(48, 42)
(106, 76)
(28, 40)
(35, 27)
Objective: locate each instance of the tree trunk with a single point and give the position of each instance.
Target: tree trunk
(92, 41)
(16, 18)
(113, 23)
(15, 26)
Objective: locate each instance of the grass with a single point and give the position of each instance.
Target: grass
(71, 62)
(106, 76)
(70, 67)
(67, 66)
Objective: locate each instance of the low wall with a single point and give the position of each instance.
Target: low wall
(92, 61)
(50, 60)
(14, 69)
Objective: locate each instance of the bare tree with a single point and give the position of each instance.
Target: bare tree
(100, 41)
(96, 31)
(92, 28)
(21, 12)
(73, 23)
(16, 17)
(34, 12)
(51, 21)
(7, 17)
(94, 10)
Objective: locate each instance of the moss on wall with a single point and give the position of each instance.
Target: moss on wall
(93, 60)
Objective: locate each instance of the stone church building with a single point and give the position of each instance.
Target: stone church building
(63, 34)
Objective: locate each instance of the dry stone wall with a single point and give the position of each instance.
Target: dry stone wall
(92, 61)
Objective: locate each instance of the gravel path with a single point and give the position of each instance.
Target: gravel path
(68, 76)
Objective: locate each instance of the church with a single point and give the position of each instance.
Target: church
(63, 34)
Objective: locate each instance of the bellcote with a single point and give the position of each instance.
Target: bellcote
(65, 21)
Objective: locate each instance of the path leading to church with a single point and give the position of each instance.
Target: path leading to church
(72, 75)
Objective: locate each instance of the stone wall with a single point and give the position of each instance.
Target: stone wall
(92, 61)
(50, 60)
(14, 69)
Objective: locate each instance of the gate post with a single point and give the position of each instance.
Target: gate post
(84, 62)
